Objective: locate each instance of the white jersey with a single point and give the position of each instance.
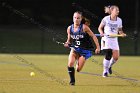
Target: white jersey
(110, 27)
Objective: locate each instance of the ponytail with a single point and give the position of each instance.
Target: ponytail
(107, 9)
(85, 21)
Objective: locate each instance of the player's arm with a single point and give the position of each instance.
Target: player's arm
(100, 29)
(68, 37)
(121, 32)
(88, 30)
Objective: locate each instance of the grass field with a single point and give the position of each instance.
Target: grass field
(52, 77)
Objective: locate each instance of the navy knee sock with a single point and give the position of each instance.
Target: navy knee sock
(71, 72)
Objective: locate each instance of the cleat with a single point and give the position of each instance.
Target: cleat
(110, 70)
(72, 83)
(105, 75)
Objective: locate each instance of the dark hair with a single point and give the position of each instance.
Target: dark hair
(79, 12)
(85, 21)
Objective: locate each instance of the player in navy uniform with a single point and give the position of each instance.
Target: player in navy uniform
(79, 35)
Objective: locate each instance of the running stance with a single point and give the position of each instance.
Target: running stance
(79, 35)
(110, 24)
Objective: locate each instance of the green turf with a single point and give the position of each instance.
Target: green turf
(52, 77)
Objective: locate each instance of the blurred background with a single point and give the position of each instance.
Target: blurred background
(33, 26)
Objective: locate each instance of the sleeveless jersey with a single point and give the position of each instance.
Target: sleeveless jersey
(80, 38)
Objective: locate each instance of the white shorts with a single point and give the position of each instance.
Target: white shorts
(109, 43)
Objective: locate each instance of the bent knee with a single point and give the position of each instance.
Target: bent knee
(78, 69)
(115, 58)
(70, 64)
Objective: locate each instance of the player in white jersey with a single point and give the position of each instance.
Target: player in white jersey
(110, 24)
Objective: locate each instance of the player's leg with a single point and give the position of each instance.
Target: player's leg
(71, 70)
(85, 54)
(106, 61)
(115, 56)
(81, 61)
(108, 54)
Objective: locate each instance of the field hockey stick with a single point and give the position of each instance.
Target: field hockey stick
(69, 45)
(111, 35)
(62, 43)
(117, 35)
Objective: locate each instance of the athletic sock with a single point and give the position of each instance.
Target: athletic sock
(112, 61)
(71, 72)
(105, 65)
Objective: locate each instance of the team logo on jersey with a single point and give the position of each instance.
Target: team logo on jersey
(77, 36)
(113, 25)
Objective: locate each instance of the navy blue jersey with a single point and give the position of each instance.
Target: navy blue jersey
(80, 38)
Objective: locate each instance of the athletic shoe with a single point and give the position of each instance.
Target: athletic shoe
(72, 83)
(110, 70)
(105, 75)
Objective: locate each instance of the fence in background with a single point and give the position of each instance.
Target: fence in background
(14, 39)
